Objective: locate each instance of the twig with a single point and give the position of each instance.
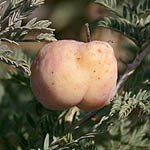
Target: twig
(85, 118)
(131, 68)
(91, 135)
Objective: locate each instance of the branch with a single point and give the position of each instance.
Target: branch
(85, 118)
(131, 68)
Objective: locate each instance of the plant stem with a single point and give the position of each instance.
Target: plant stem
(85, 118)
(88, 34)
(131, 68)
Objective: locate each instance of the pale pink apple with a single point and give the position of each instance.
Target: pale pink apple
(68, 73)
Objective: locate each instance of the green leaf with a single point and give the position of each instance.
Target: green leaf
(46, 36)
(110, 5)
(31, 23)
(42, 24)
(30, 120)
(15, 13)
(147, 20)
(122, 26)
(46, 142)
(124, 11)
(35, 3)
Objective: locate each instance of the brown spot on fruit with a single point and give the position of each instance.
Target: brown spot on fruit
(99, 50)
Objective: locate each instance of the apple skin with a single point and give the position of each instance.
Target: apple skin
(68, 73)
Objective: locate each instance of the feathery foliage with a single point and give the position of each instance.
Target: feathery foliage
(12, 30)
(131, 21)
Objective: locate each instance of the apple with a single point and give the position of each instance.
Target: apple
(68, 73)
